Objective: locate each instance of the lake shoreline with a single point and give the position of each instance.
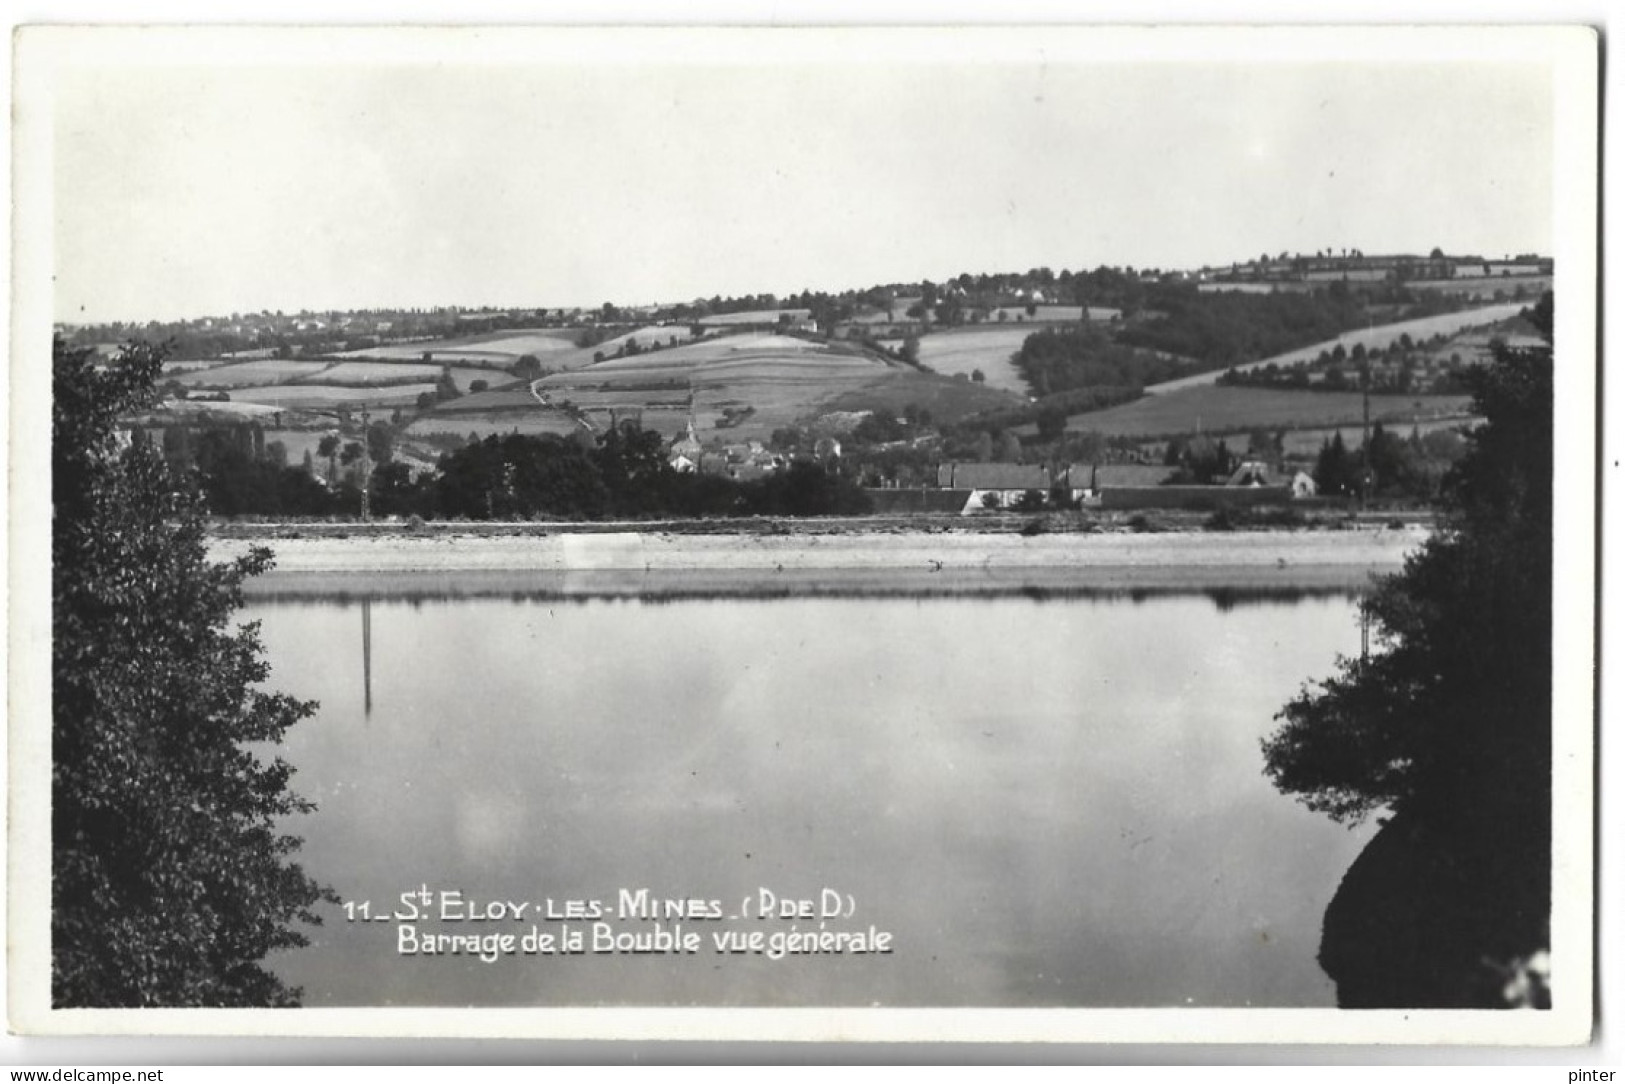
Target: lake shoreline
(858, 563)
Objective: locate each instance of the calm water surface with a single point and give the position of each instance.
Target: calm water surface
(1045, 802)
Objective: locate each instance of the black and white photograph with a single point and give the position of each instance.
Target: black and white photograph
(980, 533)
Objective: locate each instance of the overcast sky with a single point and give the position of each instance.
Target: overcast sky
(215, 184)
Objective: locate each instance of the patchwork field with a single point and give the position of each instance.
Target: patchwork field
(760, 316)
(501, 348)
(317, 396)
(1210, 408)
(245, 374)
(964, 350)
(361, 373)
(1054, 314)
(516, 396)
(767, 381)
(645, 336)
(194, 365)
(494, 378)
(946, 399)
(737, 387)
(202, 412)
(681, 363)
(527, 422)
(587, 398)
(782, 390)
(486, 359)
(565, 356)
(364, 374)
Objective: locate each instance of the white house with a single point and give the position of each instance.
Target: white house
(993, 485)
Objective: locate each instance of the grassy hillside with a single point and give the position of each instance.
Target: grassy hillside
(1215, 409)
(757, 316)
(491, 348)
(1055, 314)
(244, 374)
(328, 397)
(946, 399)
(964, 350)
(739, 387)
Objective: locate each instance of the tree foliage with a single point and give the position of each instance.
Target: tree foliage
(1223, 329)
(234, 480)
(1337, 472)
(171, 878)
(1071, 358)
(1452, 712)
(1201, 461)
(625, 472)
(513, 476)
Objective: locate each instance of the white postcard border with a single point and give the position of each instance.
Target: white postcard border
(1572, 54)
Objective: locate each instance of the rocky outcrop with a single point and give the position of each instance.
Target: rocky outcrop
(1441, 913)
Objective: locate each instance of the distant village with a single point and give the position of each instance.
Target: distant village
(981, 394)
(1351, 265)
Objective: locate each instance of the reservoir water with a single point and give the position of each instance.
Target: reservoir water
(1049, 802)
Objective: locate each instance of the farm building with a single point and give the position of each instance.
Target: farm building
(1254, 472)
(1256, 475)
(723, 465)
(1102, 475)
(1253, 483)
(993, 485)
(748, 451)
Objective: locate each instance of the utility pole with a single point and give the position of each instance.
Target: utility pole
(1365, 412)
(366, 469)
(1365, 630)
(366, 655)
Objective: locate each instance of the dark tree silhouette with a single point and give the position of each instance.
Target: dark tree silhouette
(1336, 471)
(328, 449)
(1447, 725)
(171, 878)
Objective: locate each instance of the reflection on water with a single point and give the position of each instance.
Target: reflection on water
(687, 589)
(1046, 802)
(366, 655)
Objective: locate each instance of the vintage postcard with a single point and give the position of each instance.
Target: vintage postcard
(983, 533)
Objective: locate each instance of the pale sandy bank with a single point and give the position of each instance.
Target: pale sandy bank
(657, 564)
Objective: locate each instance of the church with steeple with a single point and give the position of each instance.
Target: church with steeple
(685, 450)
